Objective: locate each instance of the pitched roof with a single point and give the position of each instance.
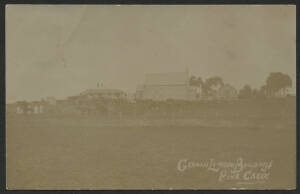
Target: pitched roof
(172, 78)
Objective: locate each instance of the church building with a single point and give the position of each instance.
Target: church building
(164, 86)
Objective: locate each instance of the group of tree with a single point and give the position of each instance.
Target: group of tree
(276, 84)
(208, 86)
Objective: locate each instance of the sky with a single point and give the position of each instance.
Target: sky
(61, 50)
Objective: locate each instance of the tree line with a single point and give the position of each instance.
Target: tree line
(276, 84)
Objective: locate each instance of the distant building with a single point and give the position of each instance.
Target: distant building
(163, 86)
(19, 110)
(227, 92)
(51, 100)
(139, 91)
(131, 97)
(37, 107)
(22, 107)
(34, 107)
(103, 93)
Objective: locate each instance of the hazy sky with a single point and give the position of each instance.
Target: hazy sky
(60, 51)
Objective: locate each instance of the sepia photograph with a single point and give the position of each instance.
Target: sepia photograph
(109, 97)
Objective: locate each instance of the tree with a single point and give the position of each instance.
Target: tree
(209, 86)
(286, 83)
(246, 92)
(263, 91)
(212, 84)
(277, 83)
(194, 81)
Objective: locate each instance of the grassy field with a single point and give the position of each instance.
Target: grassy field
(90, 153)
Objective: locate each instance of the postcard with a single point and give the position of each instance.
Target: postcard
(150, 97)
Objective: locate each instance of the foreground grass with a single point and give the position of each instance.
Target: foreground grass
(142, 152)
(86, 153)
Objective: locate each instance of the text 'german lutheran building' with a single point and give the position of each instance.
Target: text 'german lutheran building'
(164, 86)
